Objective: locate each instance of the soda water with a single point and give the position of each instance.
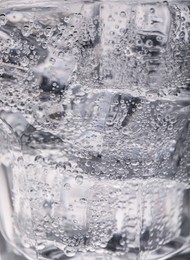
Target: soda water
(95, 128)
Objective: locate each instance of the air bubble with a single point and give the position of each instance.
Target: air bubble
(111, 32)
(47, 205)
(83, 200)
(44, 45)
(110, 18)
(149, 43)
(41, 247)
(61, 54)
(32, 47)
(3, 19)
(26, 30)
(79, 179)
(159, 38)
(67, 186)
(123, 14)
(48, 31)
(24, 61)
(52, 60)
(67, 19)
(182, 35)
(187, 25)
(70, 251)
(2, 70)
(39, 159)
(139, 42)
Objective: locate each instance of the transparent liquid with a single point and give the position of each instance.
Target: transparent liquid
(95, 130)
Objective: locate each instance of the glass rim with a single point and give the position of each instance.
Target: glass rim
(25, 4)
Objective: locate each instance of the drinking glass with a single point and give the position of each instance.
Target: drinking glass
(95, 128)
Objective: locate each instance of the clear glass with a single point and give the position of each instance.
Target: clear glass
(95, 129)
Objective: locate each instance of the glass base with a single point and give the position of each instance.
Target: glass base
(181, 257)
(6, 253)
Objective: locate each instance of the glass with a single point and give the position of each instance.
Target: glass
(95, 129)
